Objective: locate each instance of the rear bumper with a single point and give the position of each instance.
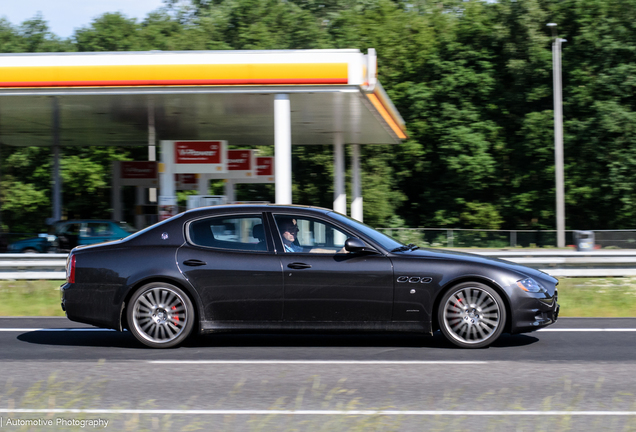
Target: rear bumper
(90, 305)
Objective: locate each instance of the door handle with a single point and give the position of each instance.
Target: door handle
(194, 262)
(298, 265)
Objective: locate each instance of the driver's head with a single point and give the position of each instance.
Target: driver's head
(288, 229)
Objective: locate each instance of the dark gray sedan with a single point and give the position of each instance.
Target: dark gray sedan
(276, 268)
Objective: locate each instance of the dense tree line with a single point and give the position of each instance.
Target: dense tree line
(472, 79)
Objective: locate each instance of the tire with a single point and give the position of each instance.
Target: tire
(30, 251)
(471, 315)
(160, 315)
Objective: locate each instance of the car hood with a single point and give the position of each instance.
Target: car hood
(478, 259)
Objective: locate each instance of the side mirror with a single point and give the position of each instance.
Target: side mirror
(353, 244)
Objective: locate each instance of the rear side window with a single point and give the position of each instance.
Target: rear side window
(244, 232)
(70, 229)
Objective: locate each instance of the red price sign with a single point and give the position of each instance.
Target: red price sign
(197, 152)
(138, 170)
(264, 166)
(239, 160)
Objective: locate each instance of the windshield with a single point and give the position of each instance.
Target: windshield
(386, 242)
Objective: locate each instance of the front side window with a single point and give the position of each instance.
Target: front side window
(244, 232)
(305, 234)
(97, 229)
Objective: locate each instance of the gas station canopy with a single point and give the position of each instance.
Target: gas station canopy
(105, 98)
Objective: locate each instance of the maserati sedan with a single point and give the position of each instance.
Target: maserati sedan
(278, 268)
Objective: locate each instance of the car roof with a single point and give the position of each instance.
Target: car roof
(246, 208)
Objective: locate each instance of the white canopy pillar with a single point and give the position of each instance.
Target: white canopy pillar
(229, 191)
(339, 194)
(356, 193)
(166, 171)
(282, 149)
(152, 137)
(203, 184)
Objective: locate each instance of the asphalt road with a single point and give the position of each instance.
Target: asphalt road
(579, 375)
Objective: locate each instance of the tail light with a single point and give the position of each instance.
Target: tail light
(70, 269)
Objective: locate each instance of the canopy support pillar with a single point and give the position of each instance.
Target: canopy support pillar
(115, 191)
(166, 170)
(339, 194)
(203, 184)
(152, 148)
(356, 193)
(140, 200)
(282, 149)
(229, 191)
(57, 180)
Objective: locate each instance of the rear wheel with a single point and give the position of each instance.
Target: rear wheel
(471, 315)
(160, 315)
(30, 251)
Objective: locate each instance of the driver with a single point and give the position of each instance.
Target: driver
(289, 234)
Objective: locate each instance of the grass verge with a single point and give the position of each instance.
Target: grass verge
(30, 298)
(578, 297)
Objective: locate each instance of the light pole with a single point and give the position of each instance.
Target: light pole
(558, 135)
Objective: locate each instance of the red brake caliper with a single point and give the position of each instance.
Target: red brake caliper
(175, 316)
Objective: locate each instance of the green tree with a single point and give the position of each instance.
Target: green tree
(110, 32)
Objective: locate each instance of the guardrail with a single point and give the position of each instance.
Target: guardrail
(571, 263)
(33, 266)
(557, 263)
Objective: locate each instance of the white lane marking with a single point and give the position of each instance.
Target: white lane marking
(318, 412)
(587, 330)
(54, 329)
(358, 362)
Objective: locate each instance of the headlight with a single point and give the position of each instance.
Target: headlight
(531, 285)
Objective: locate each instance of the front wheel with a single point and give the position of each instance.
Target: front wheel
(160, 315)
(471, 315)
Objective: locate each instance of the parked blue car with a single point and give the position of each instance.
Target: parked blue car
(65, 235)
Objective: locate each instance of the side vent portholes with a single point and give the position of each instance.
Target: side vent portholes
(414, 279)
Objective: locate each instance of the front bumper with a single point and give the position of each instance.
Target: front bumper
(535, 313)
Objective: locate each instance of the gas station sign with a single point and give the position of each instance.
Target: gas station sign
(196, 157)
(265, 166)
(137, 173)
(239, 160)
(241, 164)
(198, 152)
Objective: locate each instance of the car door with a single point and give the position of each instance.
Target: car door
(231, 263)
(68, 235)
(323, 282)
